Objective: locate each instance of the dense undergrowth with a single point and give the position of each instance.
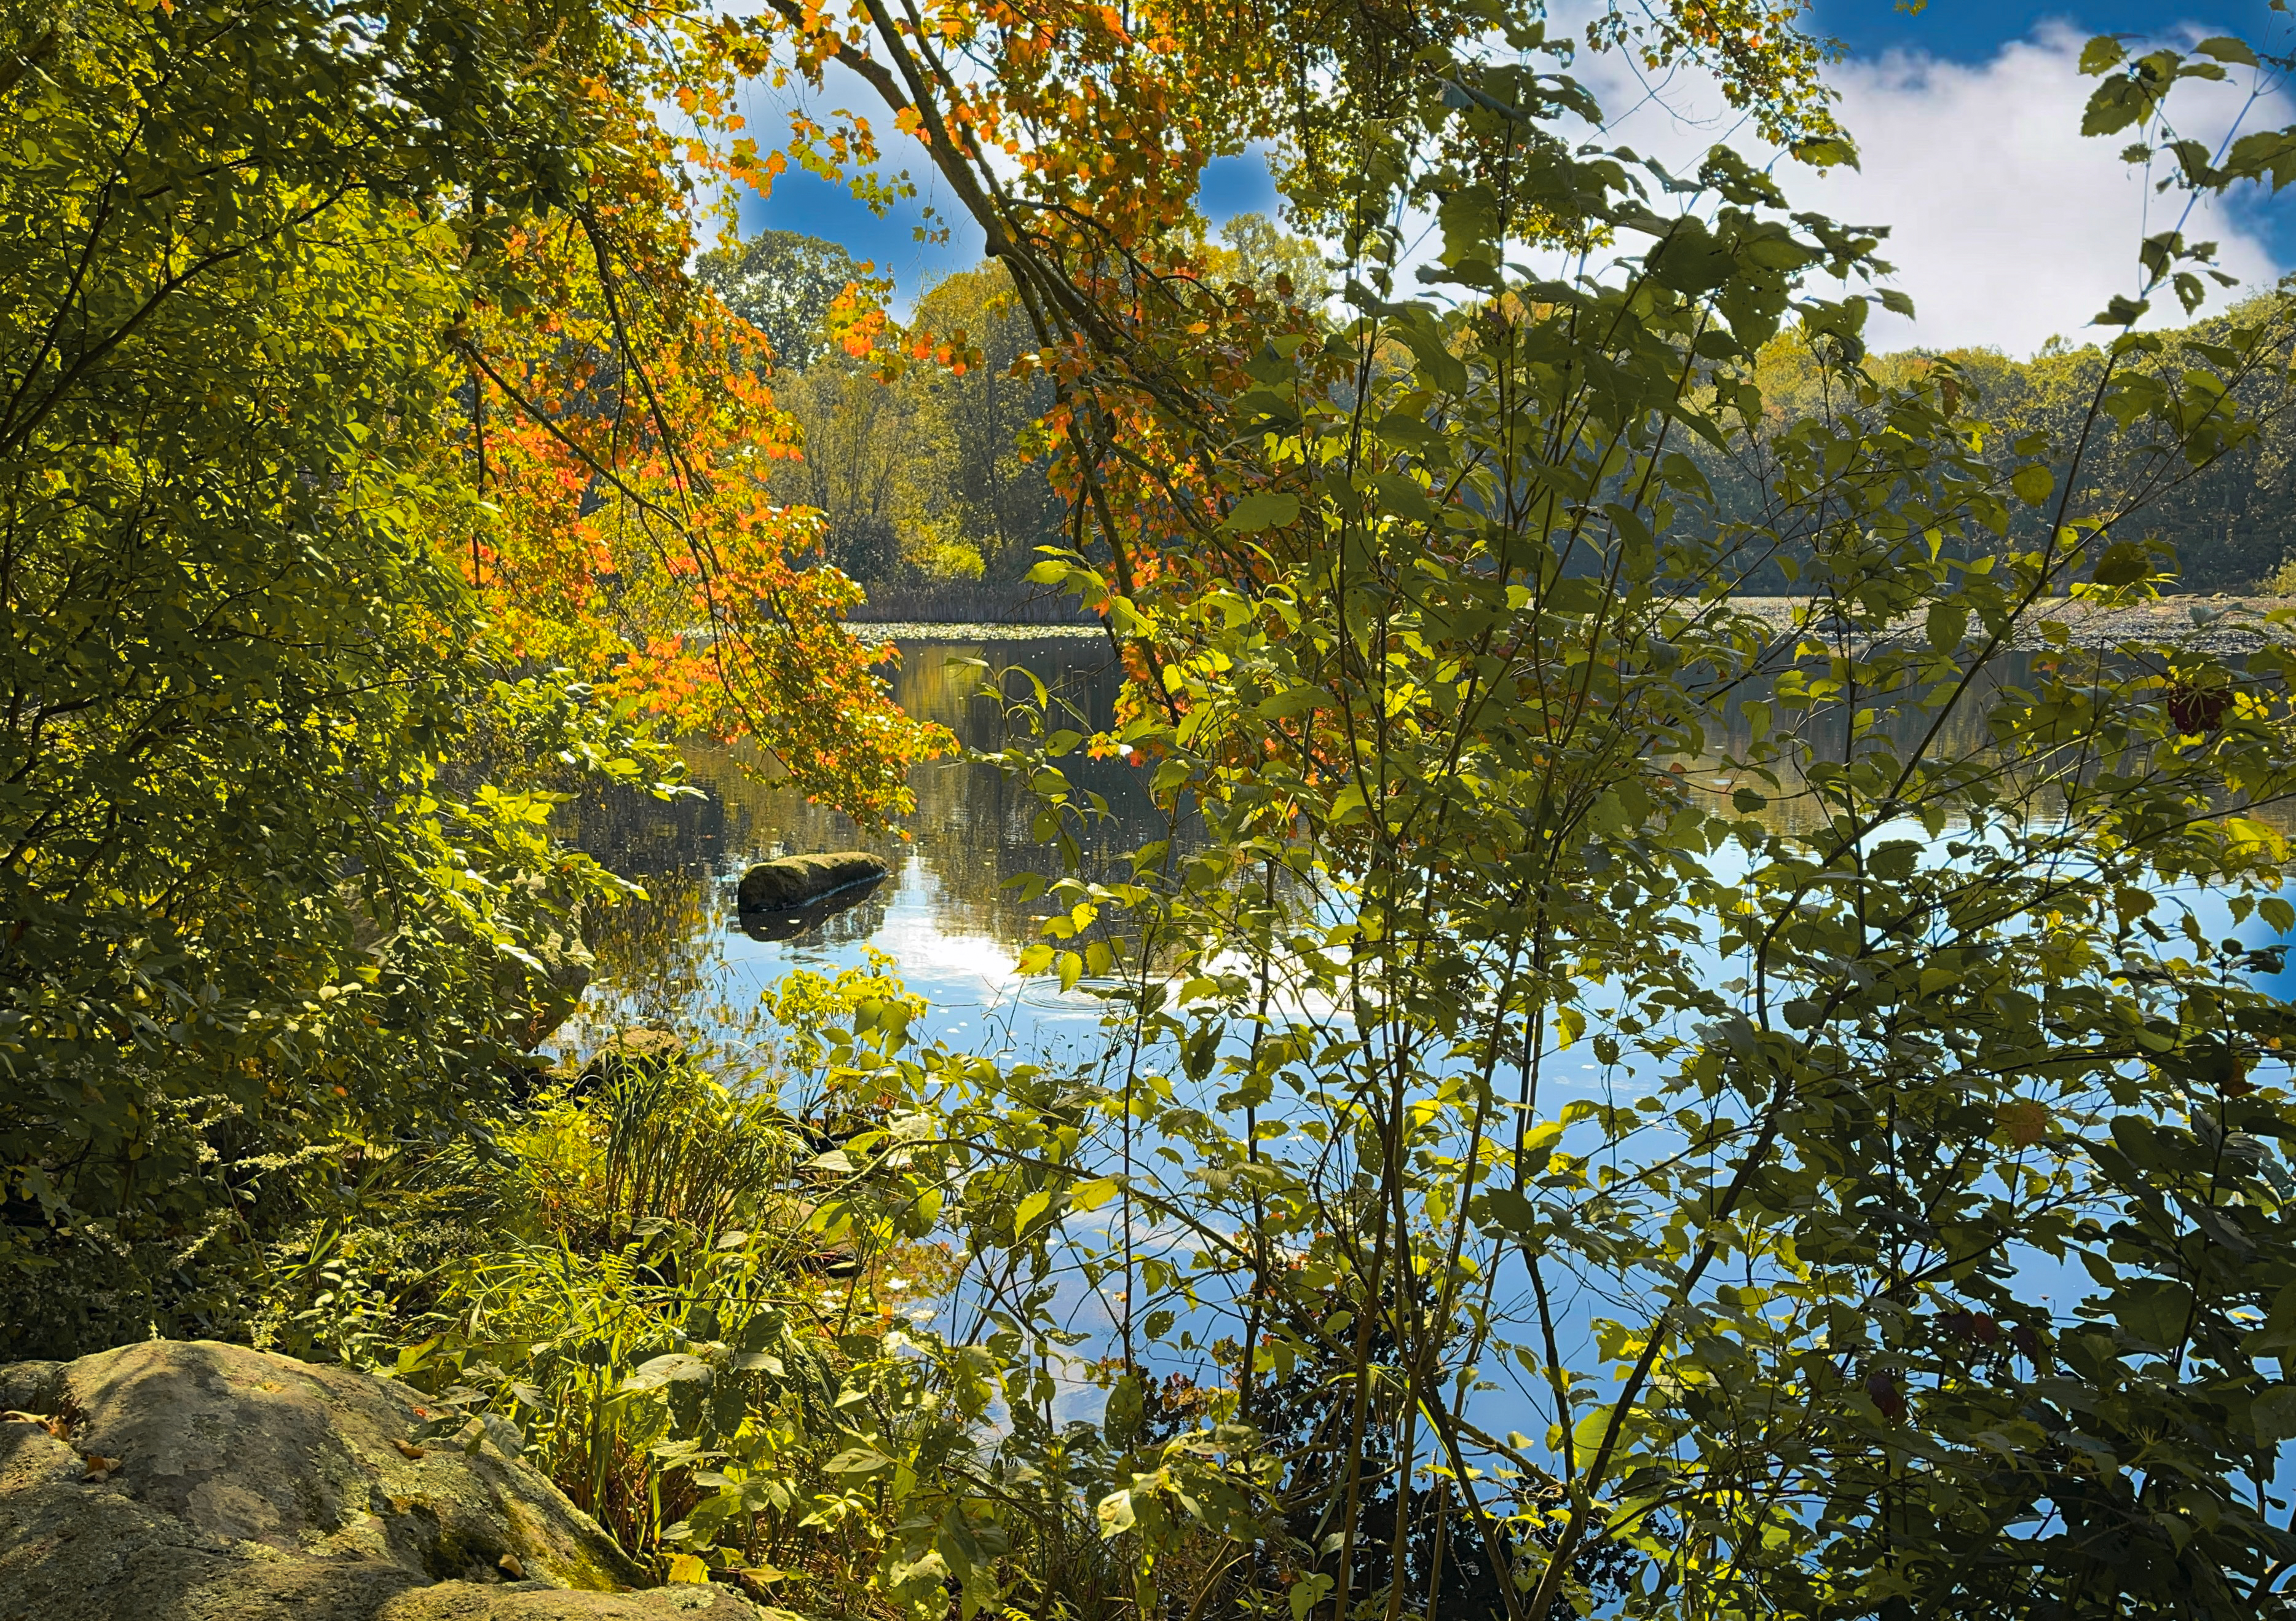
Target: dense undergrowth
(626, 1282)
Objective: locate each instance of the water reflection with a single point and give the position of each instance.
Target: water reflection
(789, 922)
(946, 912)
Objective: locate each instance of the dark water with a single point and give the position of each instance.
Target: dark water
(947, 916)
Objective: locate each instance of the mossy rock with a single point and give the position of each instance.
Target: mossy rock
(791, 881)
(632, 1052)
(199, 1481)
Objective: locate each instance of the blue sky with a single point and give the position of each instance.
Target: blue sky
(1968, 115)
(1971, 30)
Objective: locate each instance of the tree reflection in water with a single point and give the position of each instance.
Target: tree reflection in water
(944, 913)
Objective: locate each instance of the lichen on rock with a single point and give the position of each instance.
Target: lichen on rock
(198, 1481)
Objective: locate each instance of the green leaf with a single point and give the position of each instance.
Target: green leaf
(1306, 1592)
(1948, 624)
(2033, 483)
(2223, 47)
(1091, 1195)
(2101, 55)
(2274, 1414)
(2124, 563)
(676, 1368)
(1265, 510)
(857, 1460)
(2154, 1311)
(1509, 1211)
(1115, 1513)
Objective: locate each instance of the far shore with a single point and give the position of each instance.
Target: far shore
(2221, 623)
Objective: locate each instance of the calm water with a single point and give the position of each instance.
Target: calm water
(946, 915)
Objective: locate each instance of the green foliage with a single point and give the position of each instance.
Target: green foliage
(1260, 254)
(2225, 519)
(980, 464)
(938, 474)
(248, 916)
(1562, 999)
(1585, 1001)
(784, 284)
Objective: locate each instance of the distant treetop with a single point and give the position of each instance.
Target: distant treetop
(782, 283)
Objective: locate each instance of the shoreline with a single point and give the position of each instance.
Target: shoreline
(2232, 624)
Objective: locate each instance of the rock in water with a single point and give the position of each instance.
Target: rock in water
(794, 880)
(196, 1481)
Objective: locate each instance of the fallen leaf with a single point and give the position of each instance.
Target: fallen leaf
(99, 1467)
(408, 1449)
(510, 1564)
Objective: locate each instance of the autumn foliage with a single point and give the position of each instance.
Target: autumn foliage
(629, 532)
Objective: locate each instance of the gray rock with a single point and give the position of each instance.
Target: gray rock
(196, 1481)
(797, 880)
(527, 1601)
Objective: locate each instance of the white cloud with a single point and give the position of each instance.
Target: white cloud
(2008, 224)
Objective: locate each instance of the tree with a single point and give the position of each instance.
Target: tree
(858, 465)
(302, 311)
(984, 471)
(1256, 251)
(784, 284)
(637, 534)
(1899, 960)
(926, 464)
(2224, 521)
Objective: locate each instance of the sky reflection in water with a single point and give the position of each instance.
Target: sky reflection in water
(944, 914)
(953, 930)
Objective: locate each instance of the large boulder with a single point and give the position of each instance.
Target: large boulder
(640, 1050)
(196, 1481)
(799, 880)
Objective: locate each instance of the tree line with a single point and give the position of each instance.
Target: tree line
(2227, 524)
(941, 471)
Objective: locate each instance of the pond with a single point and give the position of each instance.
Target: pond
(945, 915)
